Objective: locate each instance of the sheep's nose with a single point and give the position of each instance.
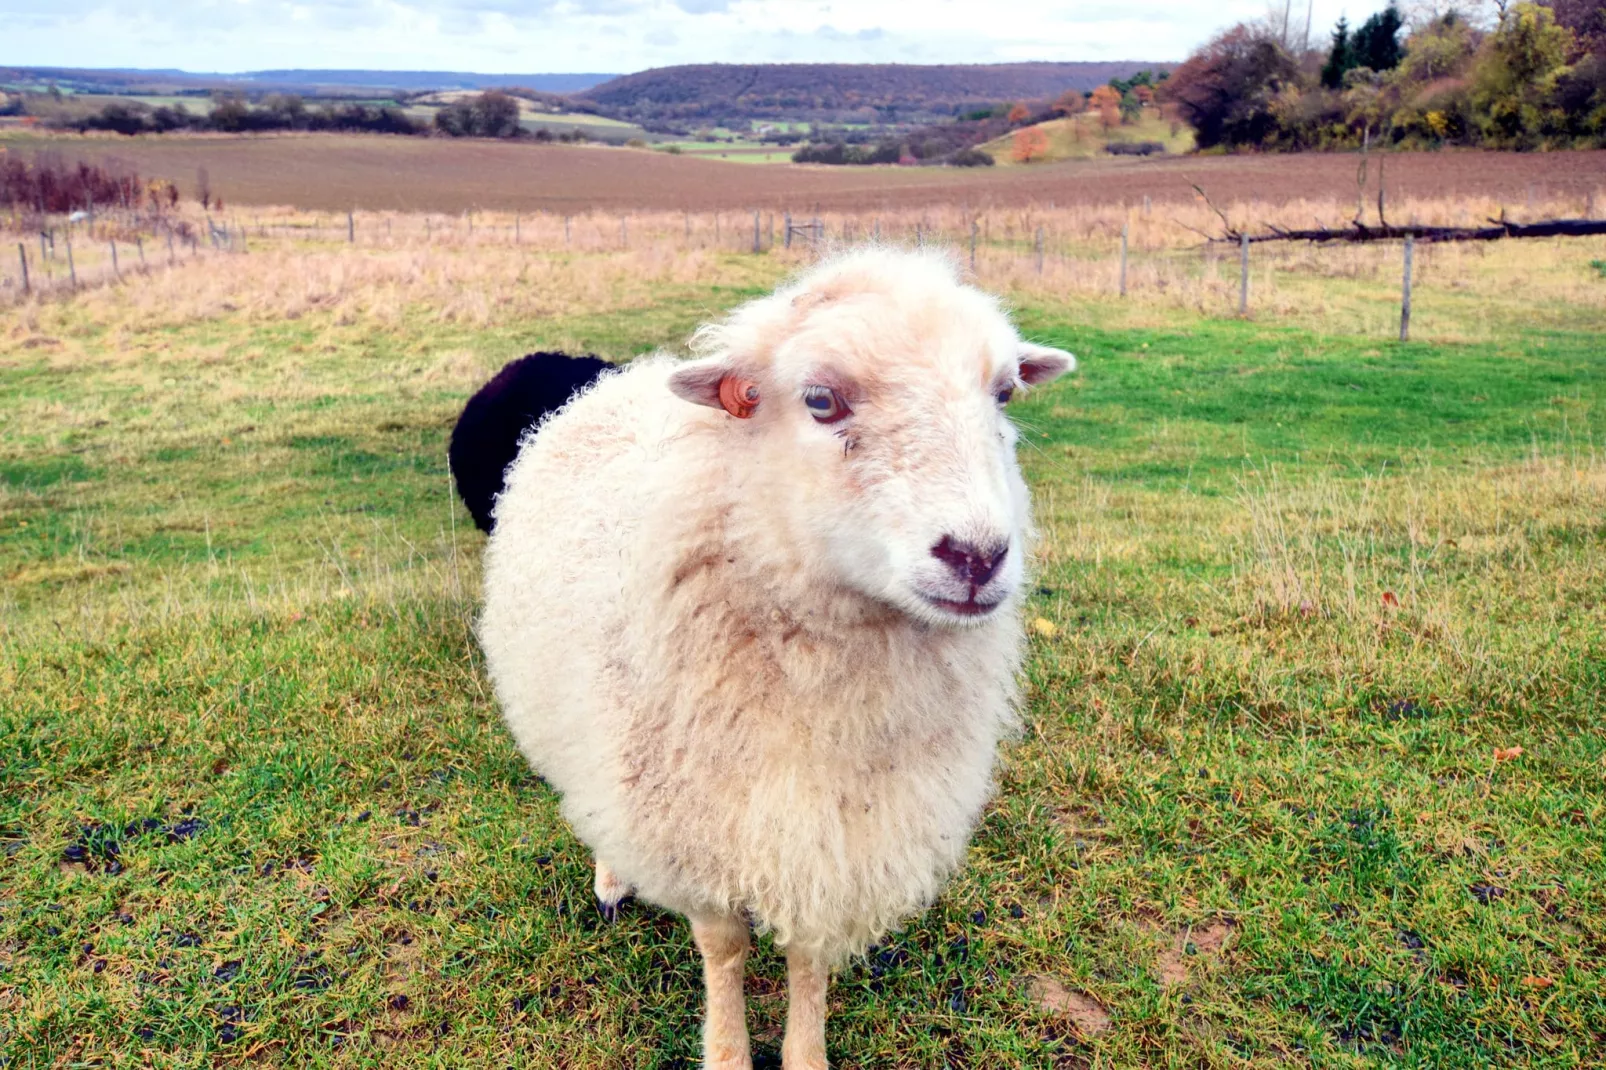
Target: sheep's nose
(972, 564)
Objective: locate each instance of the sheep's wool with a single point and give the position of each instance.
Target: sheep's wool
(733, 727)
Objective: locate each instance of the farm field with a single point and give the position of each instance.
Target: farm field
(1310, 772)
(339, 172)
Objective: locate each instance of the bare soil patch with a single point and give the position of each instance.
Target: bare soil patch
(337, 172)
(1190, 947)
(1079, 1008)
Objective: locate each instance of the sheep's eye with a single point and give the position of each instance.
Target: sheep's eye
(1005, 394)
(825, 404)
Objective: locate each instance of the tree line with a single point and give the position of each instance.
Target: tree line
(490, 114)
(1532, 78)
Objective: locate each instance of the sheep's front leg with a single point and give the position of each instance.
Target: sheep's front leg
(806, 979)
(611, 892)
(723, 941)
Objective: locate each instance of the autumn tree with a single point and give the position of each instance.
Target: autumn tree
(1228, 90)
(1018, 114)
(1031, 143)
(1515, 76)
(1106, 101)
(1070, 102)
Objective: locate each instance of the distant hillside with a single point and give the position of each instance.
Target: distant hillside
(311, 82)
(838, 92)
(427, 80)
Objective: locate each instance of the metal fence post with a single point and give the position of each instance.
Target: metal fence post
(1243, 274)
(1405, 296)
(1125, 230)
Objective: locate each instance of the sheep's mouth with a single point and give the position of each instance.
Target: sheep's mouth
(967, 608)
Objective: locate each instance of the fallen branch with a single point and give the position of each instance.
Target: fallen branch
(1360, 232)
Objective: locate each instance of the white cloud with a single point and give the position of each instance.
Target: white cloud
(529, 36)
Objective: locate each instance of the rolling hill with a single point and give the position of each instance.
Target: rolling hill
(307, 81)
(837, 92)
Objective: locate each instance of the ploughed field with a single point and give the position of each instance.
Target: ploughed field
(341, 172)
(1310, 768)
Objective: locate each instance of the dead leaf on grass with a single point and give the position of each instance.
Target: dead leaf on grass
(1081, 1009)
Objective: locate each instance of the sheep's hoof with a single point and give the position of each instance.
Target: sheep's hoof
(612, 893)
(610, 911)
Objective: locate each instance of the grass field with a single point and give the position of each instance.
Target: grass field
(1312, 769)
(1082, 137)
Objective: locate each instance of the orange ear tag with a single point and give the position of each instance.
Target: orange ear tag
(739, 396)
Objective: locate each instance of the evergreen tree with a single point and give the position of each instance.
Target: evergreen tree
(1340, 58)
(1377, 43)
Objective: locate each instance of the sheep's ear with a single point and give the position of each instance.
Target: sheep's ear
(717, 385)
(1043, 364)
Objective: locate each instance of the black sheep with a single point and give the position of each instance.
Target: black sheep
(486, 438)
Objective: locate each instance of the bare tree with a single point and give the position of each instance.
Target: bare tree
(1479, 13)
(1283, 26)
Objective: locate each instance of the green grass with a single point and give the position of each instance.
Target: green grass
(256, 802)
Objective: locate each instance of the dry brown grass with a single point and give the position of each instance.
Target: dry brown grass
(497, 268)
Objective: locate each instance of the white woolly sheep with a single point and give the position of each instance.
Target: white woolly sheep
(765, 644)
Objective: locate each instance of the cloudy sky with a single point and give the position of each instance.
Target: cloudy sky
(529, 36)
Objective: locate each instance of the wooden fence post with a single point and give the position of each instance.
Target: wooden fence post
(687, 215)
(624, 232)
(1405, 296)
(788, 239)
(1039, 250)
(1243, 274)
(757, 237)
(170, 248)
(1125, 229)
(22, 255)
(351, 228)
(517, 236)
(72, 269)
(565, 231)
(973, 229)
(117, 271)
(139, 243)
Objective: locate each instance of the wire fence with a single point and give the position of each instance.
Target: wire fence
(1142, 252)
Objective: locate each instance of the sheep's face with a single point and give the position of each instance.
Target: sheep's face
(876, 422)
